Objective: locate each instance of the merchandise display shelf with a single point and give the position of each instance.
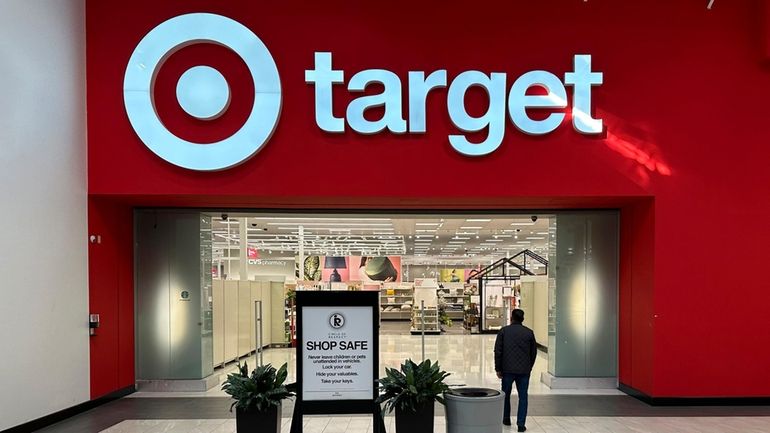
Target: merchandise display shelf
(396, 301)
(431, 321)
(452, 299)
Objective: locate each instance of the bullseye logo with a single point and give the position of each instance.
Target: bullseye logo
(202, 91)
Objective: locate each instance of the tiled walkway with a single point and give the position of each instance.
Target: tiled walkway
(541, 424)
(468, 357)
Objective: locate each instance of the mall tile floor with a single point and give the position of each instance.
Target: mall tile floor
(468, 357)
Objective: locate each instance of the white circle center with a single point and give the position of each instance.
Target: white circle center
(203, 92)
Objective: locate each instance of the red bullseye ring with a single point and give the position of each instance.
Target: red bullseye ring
(235, 71)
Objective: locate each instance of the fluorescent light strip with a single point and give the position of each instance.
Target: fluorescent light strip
(493, 240)
(313, 219)
(535, 237)
(522, 224)
(339, 224)
(427, 224)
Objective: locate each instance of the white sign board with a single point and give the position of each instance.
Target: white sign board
(337, 353)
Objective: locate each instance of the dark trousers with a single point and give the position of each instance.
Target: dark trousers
(522, 388)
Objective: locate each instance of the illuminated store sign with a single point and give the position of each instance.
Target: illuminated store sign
(581, 80)
(204, 93)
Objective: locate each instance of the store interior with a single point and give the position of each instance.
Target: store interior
(454, 278)
(427, 268)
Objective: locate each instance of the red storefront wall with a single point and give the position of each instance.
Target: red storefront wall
(684, 102)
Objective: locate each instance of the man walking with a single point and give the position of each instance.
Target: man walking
(515, 354)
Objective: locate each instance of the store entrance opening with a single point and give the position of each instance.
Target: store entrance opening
(213, 287)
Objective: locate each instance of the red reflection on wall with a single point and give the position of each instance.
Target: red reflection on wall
(632, 151)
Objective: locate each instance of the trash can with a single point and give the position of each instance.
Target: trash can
(474, 410)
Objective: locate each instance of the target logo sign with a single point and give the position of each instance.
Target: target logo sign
(202, 91)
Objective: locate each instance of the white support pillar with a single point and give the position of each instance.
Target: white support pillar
(243, 237)
(301, 241)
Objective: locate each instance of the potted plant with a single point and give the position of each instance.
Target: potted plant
(257, 397)
(412, 392)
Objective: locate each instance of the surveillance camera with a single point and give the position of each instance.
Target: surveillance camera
(534, 218)
(264, 229)
(224, 217)
(253, 224)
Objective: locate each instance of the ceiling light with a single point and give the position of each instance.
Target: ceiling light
(356, 224)
(535, 237)
(523, 224)
(427, 224)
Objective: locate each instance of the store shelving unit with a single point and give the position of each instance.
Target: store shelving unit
(425, 293)
(471, 313)
(431, 321)
(396, 301)
(453, 295)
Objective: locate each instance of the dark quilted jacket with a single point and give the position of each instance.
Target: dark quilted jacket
(515, 350)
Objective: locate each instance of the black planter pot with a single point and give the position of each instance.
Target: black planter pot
(261, 422)
(415, 422)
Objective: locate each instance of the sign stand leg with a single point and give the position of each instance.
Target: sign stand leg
(378, 421)
(296, 419)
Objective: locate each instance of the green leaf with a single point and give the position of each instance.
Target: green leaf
(413, 386)
(259, 391)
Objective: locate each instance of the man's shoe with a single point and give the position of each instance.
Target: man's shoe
(506, 421)
(522, 428)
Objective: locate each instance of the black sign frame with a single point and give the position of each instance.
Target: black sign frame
(324, 298)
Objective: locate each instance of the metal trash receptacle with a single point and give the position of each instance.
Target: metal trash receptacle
(474, 410)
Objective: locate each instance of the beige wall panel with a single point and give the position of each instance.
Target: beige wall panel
(218, 325)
